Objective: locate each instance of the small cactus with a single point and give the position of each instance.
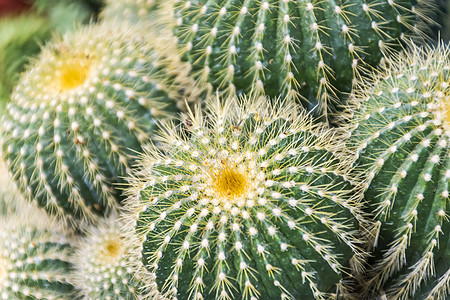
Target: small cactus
(83, 109)
(305, 50)
(34, 257)
(401, 135)
(250, 203)
(103, 264)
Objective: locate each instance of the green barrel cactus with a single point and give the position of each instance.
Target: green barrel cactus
(84, 107)
(132, 10)
(104, 262)
(401, 136)
(307, 50)
(35, 257)
(248, 202)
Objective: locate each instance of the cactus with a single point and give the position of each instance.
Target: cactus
(132, 10)
(401, 130)
(34, 257)
(250, 203)
(82, 110)
(305, 50)
(103, 264)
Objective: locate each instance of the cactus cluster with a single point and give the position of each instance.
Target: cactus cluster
(250, 203)
(183, 143)
(34, 257)
(76, 118)
(304, 50)
(401, 134)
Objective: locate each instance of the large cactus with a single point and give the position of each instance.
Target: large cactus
(34, 257)
(308, 50)
(250, 203)
(401, 130)
(83, 108)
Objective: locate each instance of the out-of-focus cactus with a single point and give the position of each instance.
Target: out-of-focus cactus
(34, 257)
(401, 136)
(250, 203)
(81, 111)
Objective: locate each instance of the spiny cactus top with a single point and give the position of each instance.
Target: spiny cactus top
(401, 136)
(83, 108)
(302, 49)
(34, 257)
(103, 264)
(250, 203)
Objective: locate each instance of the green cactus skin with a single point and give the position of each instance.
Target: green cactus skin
(83, 109)
(307, 50)
(34, 257)
(103, 264)
(254, 205)
(401, 130)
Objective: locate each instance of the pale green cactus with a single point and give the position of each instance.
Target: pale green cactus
(105, 265)
(250, 203)
(305, 50)
(132, 10)
(35, 256)
(401, 137)
(81, 111)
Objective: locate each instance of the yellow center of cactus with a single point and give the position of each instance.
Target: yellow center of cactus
(112, 248)
(230, 182)
(72, 73)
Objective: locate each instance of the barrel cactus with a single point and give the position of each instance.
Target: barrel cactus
(34, 257)
(132, 10)
(104, 262)
(82, 110)
(401, 135)
(248, 202)
(307, 50)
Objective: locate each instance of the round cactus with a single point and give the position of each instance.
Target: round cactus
(307, 50)
(401, 135)
(83, 109)
(103, 265)
(34, 257)
(132, 10)
(250, 203)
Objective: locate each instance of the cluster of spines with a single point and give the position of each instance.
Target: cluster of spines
(308, 50)
(401, 135)
(230, 179)
(135, 11)
(35, 257)
(104, 263)
(90, 98)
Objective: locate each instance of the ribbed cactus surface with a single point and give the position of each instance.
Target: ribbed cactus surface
(401, 137)
(249, 202)
(104, 262)
(83, 109)
(307, 50)
(34, 258)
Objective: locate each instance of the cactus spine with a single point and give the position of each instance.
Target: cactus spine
(251, 203)
(83, 108)
(103, 264)
(401, 137)
(34, 257)
(305, 50)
